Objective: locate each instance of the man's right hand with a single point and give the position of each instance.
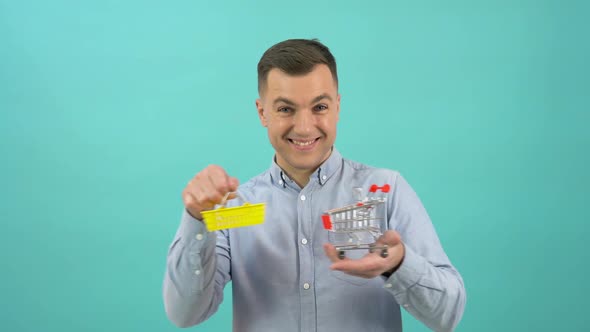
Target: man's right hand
(207, 189)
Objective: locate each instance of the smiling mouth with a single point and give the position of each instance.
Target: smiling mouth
(300, 143)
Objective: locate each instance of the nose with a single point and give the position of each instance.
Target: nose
(303, 122)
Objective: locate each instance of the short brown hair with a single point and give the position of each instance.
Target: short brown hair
(295, 57)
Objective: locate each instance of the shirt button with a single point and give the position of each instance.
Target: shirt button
(281, 182)
(324, 177)
(302, 197)
(387, 285)
(197, 272)
(199, 237)
(306, 286)
(304, 241)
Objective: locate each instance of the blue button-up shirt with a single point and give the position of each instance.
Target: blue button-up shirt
(281, 276)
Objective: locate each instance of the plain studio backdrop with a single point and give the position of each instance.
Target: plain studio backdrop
(108, 108)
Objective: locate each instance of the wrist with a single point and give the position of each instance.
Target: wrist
(391, 271)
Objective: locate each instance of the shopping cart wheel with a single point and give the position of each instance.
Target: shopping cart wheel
(341, 254)
(384, 253)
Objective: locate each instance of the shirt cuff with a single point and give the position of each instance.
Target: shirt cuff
(194, 231)
(408, 274)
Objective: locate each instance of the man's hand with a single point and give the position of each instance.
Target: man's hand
(372, 264)
(207, 189)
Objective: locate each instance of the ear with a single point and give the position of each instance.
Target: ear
(261, 115)
(338, 107)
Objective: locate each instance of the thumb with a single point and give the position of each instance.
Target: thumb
(390, 238)
(233, 184)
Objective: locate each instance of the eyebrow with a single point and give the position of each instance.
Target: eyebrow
(291, 103)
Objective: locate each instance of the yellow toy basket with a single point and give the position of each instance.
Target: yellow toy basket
(239, 216)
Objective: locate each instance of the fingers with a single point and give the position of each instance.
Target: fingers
(369, 263)
(331, 252)
(390, 238)
(372, 264)
(368, 266)
(346, 265)
(233, 184)
(207, 189)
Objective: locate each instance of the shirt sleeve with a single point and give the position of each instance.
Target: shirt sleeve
(426, 284)
(197, 270)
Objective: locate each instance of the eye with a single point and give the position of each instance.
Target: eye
(285, 110)
(320, 108)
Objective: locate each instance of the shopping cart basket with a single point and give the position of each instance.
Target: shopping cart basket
(359, 225)
(239, 216)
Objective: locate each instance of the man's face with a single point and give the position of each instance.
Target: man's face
(300, 113)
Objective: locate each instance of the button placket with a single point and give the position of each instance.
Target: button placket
(306, 259)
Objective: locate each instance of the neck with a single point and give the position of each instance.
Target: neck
(300, 177)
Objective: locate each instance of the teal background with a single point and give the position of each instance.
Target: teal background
(108, 108)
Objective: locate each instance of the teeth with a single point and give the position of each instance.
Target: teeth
(302, 143)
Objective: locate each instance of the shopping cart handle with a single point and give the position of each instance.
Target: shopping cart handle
(384, 188)
(327, 221)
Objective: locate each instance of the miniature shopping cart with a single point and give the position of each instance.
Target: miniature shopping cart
(359, 225)
(239, 216)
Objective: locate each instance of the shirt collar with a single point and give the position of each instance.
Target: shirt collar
(321, 175)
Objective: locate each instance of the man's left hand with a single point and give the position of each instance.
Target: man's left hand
(372, 264)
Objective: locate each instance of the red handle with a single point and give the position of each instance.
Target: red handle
(327, 221)
(384, 188)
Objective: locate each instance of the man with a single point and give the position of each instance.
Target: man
(286, 276)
